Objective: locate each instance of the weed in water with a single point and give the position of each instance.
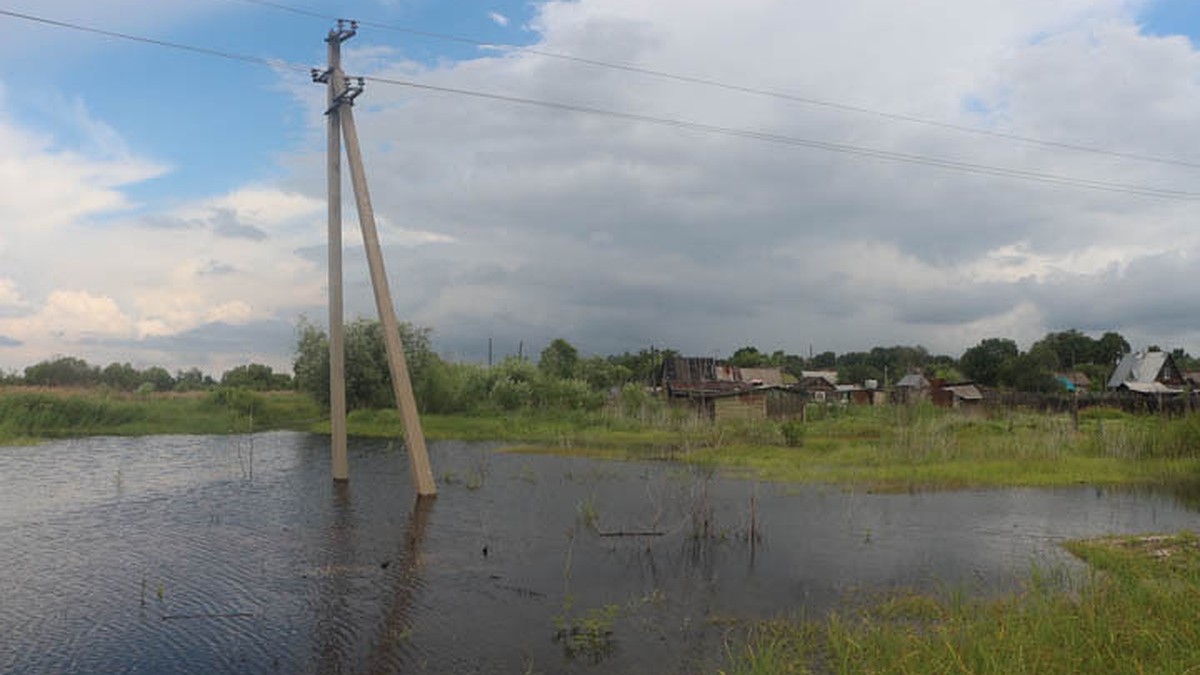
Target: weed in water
(589, 514)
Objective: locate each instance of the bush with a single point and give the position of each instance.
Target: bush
(793, 433)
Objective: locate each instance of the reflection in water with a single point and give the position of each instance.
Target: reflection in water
(334, 630)
(329, 577)
(395, 631)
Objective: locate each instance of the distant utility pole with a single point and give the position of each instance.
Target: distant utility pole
(341, 114)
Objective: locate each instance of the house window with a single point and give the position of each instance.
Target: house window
(819, 396)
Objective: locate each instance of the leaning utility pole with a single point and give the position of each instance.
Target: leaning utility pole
(342, 98)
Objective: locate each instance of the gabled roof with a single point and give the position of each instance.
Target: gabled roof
(1139, 367)
(829, 376)
(966, 392)
(767, 377)
(913, 380)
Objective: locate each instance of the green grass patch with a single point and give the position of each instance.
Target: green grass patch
(1135, 613)
(29, 415)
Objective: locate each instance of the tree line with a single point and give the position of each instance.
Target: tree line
(562, 379)
(70, 371)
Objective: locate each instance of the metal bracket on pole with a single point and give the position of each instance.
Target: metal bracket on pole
(341, 34)
(351, 92)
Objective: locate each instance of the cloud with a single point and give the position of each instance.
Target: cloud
(225, 224)
(524, 223)
(498, 18)
(6, 341)
(619, 234)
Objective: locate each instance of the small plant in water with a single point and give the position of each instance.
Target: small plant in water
(589, 634)
(589, 514)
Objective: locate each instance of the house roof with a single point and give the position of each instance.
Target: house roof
(1151, 388)
(914, 380)
(967, 392)
(826, 374)
(769, 377)
(1142, 367)
(1076, 378)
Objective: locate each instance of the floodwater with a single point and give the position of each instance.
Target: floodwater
(239, 554)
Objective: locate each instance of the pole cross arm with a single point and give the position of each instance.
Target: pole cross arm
(341, 34)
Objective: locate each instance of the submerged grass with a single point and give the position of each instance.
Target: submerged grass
(1135, 613)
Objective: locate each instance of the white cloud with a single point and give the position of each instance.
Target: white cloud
(498, 18)
(525, 223)
(71, 315)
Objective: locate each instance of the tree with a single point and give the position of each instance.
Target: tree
(192, 380)
(823, 361)
(983, 362)
(121, 376)
(1070, 348)
(254, 376)
(368, 379)
(748, 357)
(559, 359)
(64, 371)
(1110, 349)
(1028, 372)
(159, 378)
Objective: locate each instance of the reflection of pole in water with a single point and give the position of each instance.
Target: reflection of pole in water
(396, 627)
(335, 635)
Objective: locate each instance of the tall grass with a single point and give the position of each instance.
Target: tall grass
(26, 414)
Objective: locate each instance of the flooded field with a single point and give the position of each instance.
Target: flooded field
(239, 554)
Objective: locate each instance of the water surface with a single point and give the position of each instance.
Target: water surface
(239, 554)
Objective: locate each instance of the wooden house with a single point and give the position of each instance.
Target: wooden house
(1148, 373)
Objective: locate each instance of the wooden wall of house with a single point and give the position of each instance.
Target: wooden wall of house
(785, 405)
(742, 407)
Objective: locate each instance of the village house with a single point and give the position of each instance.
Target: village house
(821, 385)
(1152, 372)
(723, 392)
(912, 388)
(956, 395)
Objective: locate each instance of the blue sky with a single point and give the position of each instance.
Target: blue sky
(221, 123)
(165, 207)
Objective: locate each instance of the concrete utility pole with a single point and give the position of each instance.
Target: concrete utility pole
(337, 341)
(342, 98)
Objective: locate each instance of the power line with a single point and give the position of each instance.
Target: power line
(956, 165)
(152, 41)
(744, 89)
(854, 150)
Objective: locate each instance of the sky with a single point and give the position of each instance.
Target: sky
(163, 207)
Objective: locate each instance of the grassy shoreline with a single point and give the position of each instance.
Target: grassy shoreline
(883, 449)
(1134, 612)
(29, 415)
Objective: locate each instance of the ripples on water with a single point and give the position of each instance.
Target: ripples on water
(239, 554)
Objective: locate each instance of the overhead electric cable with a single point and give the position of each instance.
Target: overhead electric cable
(207, 51)
(861, 151)
(745, 89)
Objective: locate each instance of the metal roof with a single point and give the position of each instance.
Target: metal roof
(914, 380)
(1151, 388)
(967, 392)
(1142, 367)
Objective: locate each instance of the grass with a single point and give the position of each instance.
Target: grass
(1134, 613)
(30, 414)
(874, 448)
(902, 449)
